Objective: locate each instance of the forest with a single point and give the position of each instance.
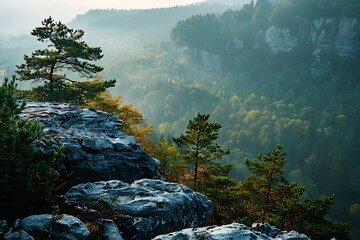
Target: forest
(261, 98)
(219, 64)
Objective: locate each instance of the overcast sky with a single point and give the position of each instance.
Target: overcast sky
(21, 16)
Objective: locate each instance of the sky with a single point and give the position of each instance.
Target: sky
(21, 16)
(128, 4)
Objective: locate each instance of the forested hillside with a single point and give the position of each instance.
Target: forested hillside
(271, 72)
(222, 65)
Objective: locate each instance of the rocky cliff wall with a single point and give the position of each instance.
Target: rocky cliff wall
(340, 35)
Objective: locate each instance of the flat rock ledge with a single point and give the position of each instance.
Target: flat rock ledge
(233, 231)
(97, 150)
(150, 207)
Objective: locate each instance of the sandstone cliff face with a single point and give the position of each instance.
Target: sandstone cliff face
(281, 40)
(329, 37)
(341, 35)
(96, 149)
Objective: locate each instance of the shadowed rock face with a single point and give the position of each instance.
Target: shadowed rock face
(96, 148)
(153, 206)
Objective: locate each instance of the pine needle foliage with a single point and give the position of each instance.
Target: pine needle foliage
(66, 52)
(197, 146)
(27, 179)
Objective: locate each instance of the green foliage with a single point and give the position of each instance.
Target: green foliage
(26, 178)
(270, 198)
(260, 99)
(224, 193)
(267, 187)
(204, 32)
(168, 156)
(66, 52)
(75, 92)
(197, 146)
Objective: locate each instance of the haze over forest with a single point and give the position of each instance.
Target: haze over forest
(270, 73)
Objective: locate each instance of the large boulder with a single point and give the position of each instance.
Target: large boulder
(233, 231)
(97, 150)
(151, 207)
(46, 226)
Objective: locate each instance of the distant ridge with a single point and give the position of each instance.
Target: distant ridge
(228, 2)
(131, 28)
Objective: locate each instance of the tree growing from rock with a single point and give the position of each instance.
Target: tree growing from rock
(197, 146)
(66, 52)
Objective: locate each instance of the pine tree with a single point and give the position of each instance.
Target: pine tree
(197, 146)
(65, 52)
(270, 198)
(26, 178)
(267, 175)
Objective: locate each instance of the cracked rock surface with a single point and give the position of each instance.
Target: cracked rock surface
(97, 150)
(152, 206)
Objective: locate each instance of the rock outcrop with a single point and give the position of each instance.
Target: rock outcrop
(151, 207)
(142, 210)
(325, 33)
(281, 40)
(330, 37)
(115, 209)
(233, 231)
(46, 226)
(96, 148)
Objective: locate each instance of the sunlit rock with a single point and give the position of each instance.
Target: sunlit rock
(233, 231)
(151, 207)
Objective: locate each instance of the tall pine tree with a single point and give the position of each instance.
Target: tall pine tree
(197, 145)
(270, 198)
(66, 52)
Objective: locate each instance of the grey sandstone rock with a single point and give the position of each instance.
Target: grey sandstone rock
(347, 42)
(233, 231)
(17, 235)
(153, 206)
(111, 231)
(281, 40)
(96, 148)
(293, 235)
(325, 34)
(70, 225)
(36, 223)
(3, 226)
(265, 229)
